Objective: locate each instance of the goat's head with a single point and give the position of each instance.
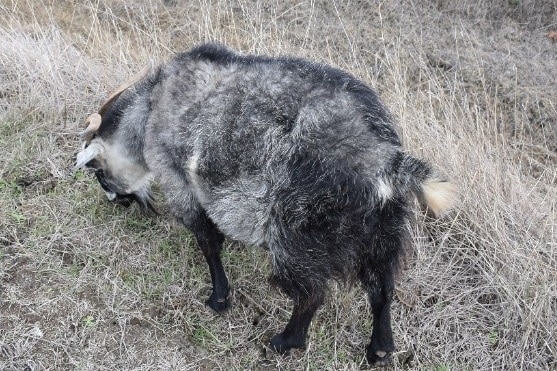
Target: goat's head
(113, 145)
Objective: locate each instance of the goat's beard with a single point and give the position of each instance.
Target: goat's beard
(145, 200)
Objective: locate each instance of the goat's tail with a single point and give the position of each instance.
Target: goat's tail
(436, 194)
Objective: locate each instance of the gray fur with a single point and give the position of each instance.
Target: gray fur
(227, 114)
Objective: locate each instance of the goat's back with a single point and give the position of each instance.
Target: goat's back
(247, 136)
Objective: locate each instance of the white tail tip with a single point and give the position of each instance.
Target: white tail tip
(439, 196)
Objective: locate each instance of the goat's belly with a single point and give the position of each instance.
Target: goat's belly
(241, 210)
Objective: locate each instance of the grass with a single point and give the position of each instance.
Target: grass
(88, 285)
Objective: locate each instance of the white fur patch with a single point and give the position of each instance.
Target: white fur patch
(193, 163)
(384, 189)
(195, 183)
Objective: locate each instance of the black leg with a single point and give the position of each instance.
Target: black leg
(380, 291)
(210, 240)
(295, 333)
(377, 275)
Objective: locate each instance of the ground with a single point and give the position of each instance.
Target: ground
(87, 285)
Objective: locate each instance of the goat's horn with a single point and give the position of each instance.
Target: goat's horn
(93, 123)
(135, 78)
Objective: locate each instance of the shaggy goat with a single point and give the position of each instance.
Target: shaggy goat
(294, 156)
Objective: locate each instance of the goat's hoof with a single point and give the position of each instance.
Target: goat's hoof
(219, 305)
(282, 345)
(378, 358)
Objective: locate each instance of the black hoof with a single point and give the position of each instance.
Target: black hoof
(282, 345)
(219, 305)
(378, 358)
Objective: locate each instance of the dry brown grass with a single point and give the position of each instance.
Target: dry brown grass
(86, 285)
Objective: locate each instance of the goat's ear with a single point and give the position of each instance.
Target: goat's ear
(93, 123)
(88, 154)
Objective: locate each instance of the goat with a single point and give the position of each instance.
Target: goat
(297, 157)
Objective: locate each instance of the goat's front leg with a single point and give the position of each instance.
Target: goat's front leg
(210, 240)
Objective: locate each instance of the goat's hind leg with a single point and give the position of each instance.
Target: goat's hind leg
(305, 305)
(380, 291)
(377, 270)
